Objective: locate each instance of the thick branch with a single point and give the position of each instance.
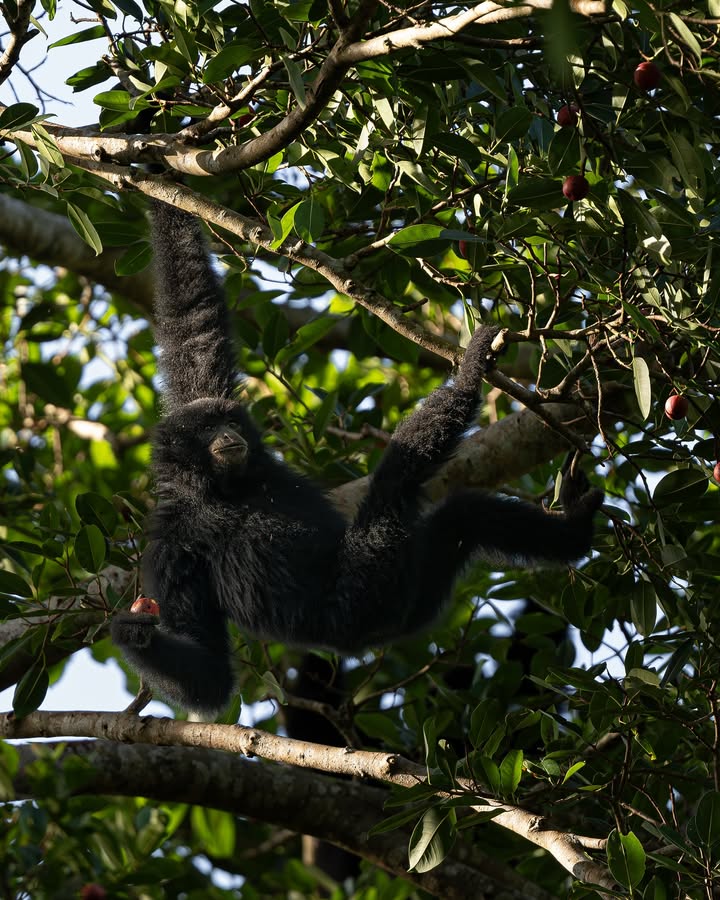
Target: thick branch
(386, 767)
(49, 238)
(485, 13)
(289, 798)
(256, 232)
(174, 152)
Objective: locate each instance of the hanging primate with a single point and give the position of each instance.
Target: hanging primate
(238, 534)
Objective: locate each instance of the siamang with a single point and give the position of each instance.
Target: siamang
(237, 534)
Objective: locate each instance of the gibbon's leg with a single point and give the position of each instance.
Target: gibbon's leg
(504, 532)
(191, 670)
(397, 578)
(183, 654)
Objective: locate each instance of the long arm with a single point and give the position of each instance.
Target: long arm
(425, 440)
(191, 319)
(191, 672)
(183, 655)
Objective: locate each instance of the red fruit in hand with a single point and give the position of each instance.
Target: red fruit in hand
(676, 406)
(576, 187)
(647, 76)
(567, 116)
(145, 605)
(716, 472)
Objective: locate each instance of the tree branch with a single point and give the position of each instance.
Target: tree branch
(20, 34)
(486, 13)
(49, 238)
(256, 232)
(303, 801)
(172, 150)
(390, 768)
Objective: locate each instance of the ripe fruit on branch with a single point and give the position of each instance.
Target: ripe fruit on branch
(93, 892)
(676, 406)
(145, 605)
(716, 472)
(576, 187)
(647, 76)
(567, 116)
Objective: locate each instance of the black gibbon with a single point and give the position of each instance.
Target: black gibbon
(237, 534)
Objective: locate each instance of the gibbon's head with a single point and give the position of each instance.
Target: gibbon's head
(208, 439)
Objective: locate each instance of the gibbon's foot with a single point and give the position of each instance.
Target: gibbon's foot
(144, 696)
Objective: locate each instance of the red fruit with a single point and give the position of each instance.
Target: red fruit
(647, 76)
(93, 892)
(576, 187)
(716, 472)
(676, 406)
(145, 605)
(567, 116)
(462, 249)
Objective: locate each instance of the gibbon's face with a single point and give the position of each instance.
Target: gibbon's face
(205, 436)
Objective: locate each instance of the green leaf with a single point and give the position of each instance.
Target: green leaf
(323, 413)
(215, 829)
(273, 687)
(14, 585)
(309, 220)
(688, 163)
(130, 8)
(643, 607)
(80, 37)
(296, 80)
(275, 333)
(307, 336)
(136, 258)
(94, 509)
(90, 548)
(31, 689)
(626, 858)
(680, 486)
(704, 827)
(432, 839)
(512, 124)
(687, 35)
(511, 772)
(48, 383)
(643, 387)
(47, 147)
(419, 240)
(17, 116)
(537, 193)
(634, 212)
(572, 770)
(229, 59)
(119, 101)
(9, 766)
(84, 227)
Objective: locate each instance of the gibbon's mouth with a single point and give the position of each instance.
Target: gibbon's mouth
(229, 447)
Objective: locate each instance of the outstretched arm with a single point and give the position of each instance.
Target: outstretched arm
(192, 325)
(425, 440)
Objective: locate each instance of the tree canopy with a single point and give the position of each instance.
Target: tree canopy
(376, 179)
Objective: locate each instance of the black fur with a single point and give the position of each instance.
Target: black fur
(237, 534)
